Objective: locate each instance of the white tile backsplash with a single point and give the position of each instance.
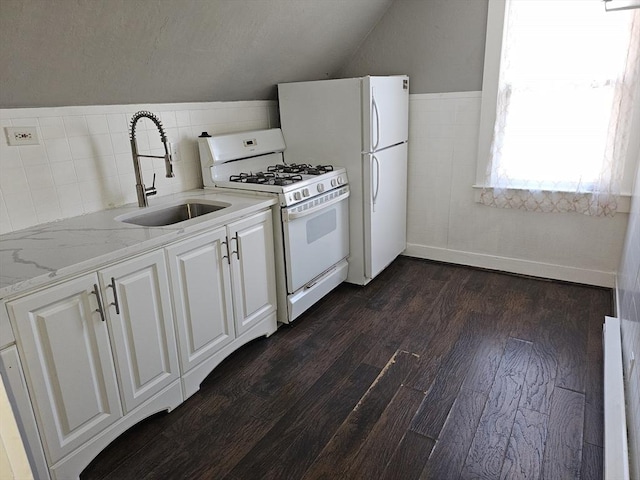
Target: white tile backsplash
(118, 122)
(58, 150)
(75, 125)
(83, 163)
(97, 124)
(32, 155)
(52, 127)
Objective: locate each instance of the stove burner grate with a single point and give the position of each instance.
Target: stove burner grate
(302, 168)
(266, 178)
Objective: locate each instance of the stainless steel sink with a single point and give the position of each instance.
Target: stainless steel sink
(172, 214)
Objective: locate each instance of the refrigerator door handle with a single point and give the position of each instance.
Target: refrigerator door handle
(375, 190)
(374, 110)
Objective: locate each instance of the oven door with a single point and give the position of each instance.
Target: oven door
(316, 237)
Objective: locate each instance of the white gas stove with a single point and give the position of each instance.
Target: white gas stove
(311, 223)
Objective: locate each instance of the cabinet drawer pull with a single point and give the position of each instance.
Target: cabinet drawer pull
(96, 292)
(115, 295)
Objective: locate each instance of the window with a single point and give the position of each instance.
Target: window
(557, 112)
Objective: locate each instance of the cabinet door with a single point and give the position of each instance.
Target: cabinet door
(67, 361)
(142, 333)
(201, 289)
(252, 267)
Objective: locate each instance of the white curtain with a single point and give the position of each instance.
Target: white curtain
(565, 99)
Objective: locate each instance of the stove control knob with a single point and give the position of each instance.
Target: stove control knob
(297, 196)
(334, 182)
(305, 192)
(340, 181)
(320, 188)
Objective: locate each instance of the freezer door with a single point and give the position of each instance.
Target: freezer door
(385, 103)
(385, 207)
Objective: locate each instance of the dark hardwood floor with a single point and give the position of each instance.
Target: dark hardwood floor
(432, 371)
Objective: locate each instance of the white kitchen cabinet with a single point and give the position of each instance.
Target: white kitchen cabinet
(140, 326)
(99, 352)
(201, 285)
(223, 285)
(252, 268)
(99, 355)
(66, 356)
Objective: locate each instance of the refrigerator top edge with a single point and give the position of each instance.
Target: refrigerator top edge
(403, 76)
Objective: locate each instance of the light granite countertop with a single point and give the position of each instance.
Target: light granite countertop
(48, 252)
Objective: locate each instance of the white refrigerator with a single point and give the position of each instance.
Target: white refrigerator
(360, 124)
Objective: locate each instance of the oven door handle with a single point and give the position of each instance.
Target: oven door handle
(287, 215)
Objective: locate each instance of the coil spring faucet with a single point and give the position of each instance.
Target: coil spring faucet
(143, 192)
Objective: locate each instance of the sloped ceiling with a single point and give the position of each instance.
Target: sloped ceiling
(438, 43)
(102, 52)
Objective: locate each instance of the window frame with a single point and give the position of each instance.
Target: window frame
(490, 79)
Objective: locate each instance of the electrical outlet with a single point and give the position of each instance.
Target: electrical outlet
(22, 136)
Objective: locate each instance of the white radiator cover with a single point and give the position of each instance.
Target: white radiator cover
(616, 450)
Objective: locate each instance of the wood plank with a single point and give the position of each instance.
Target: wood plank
(216, 449)
(593, 425)
(481, 373)
(410, 315)
(563, 452)
(454, 301)
(570, 337)
(519, 318)
(450, 451)
(288, 449)
(526, 446)
(237, 431)
(526, 305)
(409, 458)
(540, 379)
(435, 408)
(136, 439)
(439, 346)
(490, 442)
(382, 443)
(598, 309)
(348, 439)
(591, 467)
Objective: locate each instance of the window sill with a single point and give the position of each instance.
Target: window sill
(624, 202)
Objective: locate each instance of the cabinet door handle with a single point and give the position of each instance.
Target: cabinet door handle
(115, 295)
(236, 251)
(227, 256)
(96, 292)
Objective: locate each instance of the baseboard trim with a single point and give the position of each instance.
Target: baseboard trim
(513, 265)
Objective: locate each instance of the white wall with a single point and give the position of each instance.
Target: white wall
(445, 223)
(84, 163)
(629, 314)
